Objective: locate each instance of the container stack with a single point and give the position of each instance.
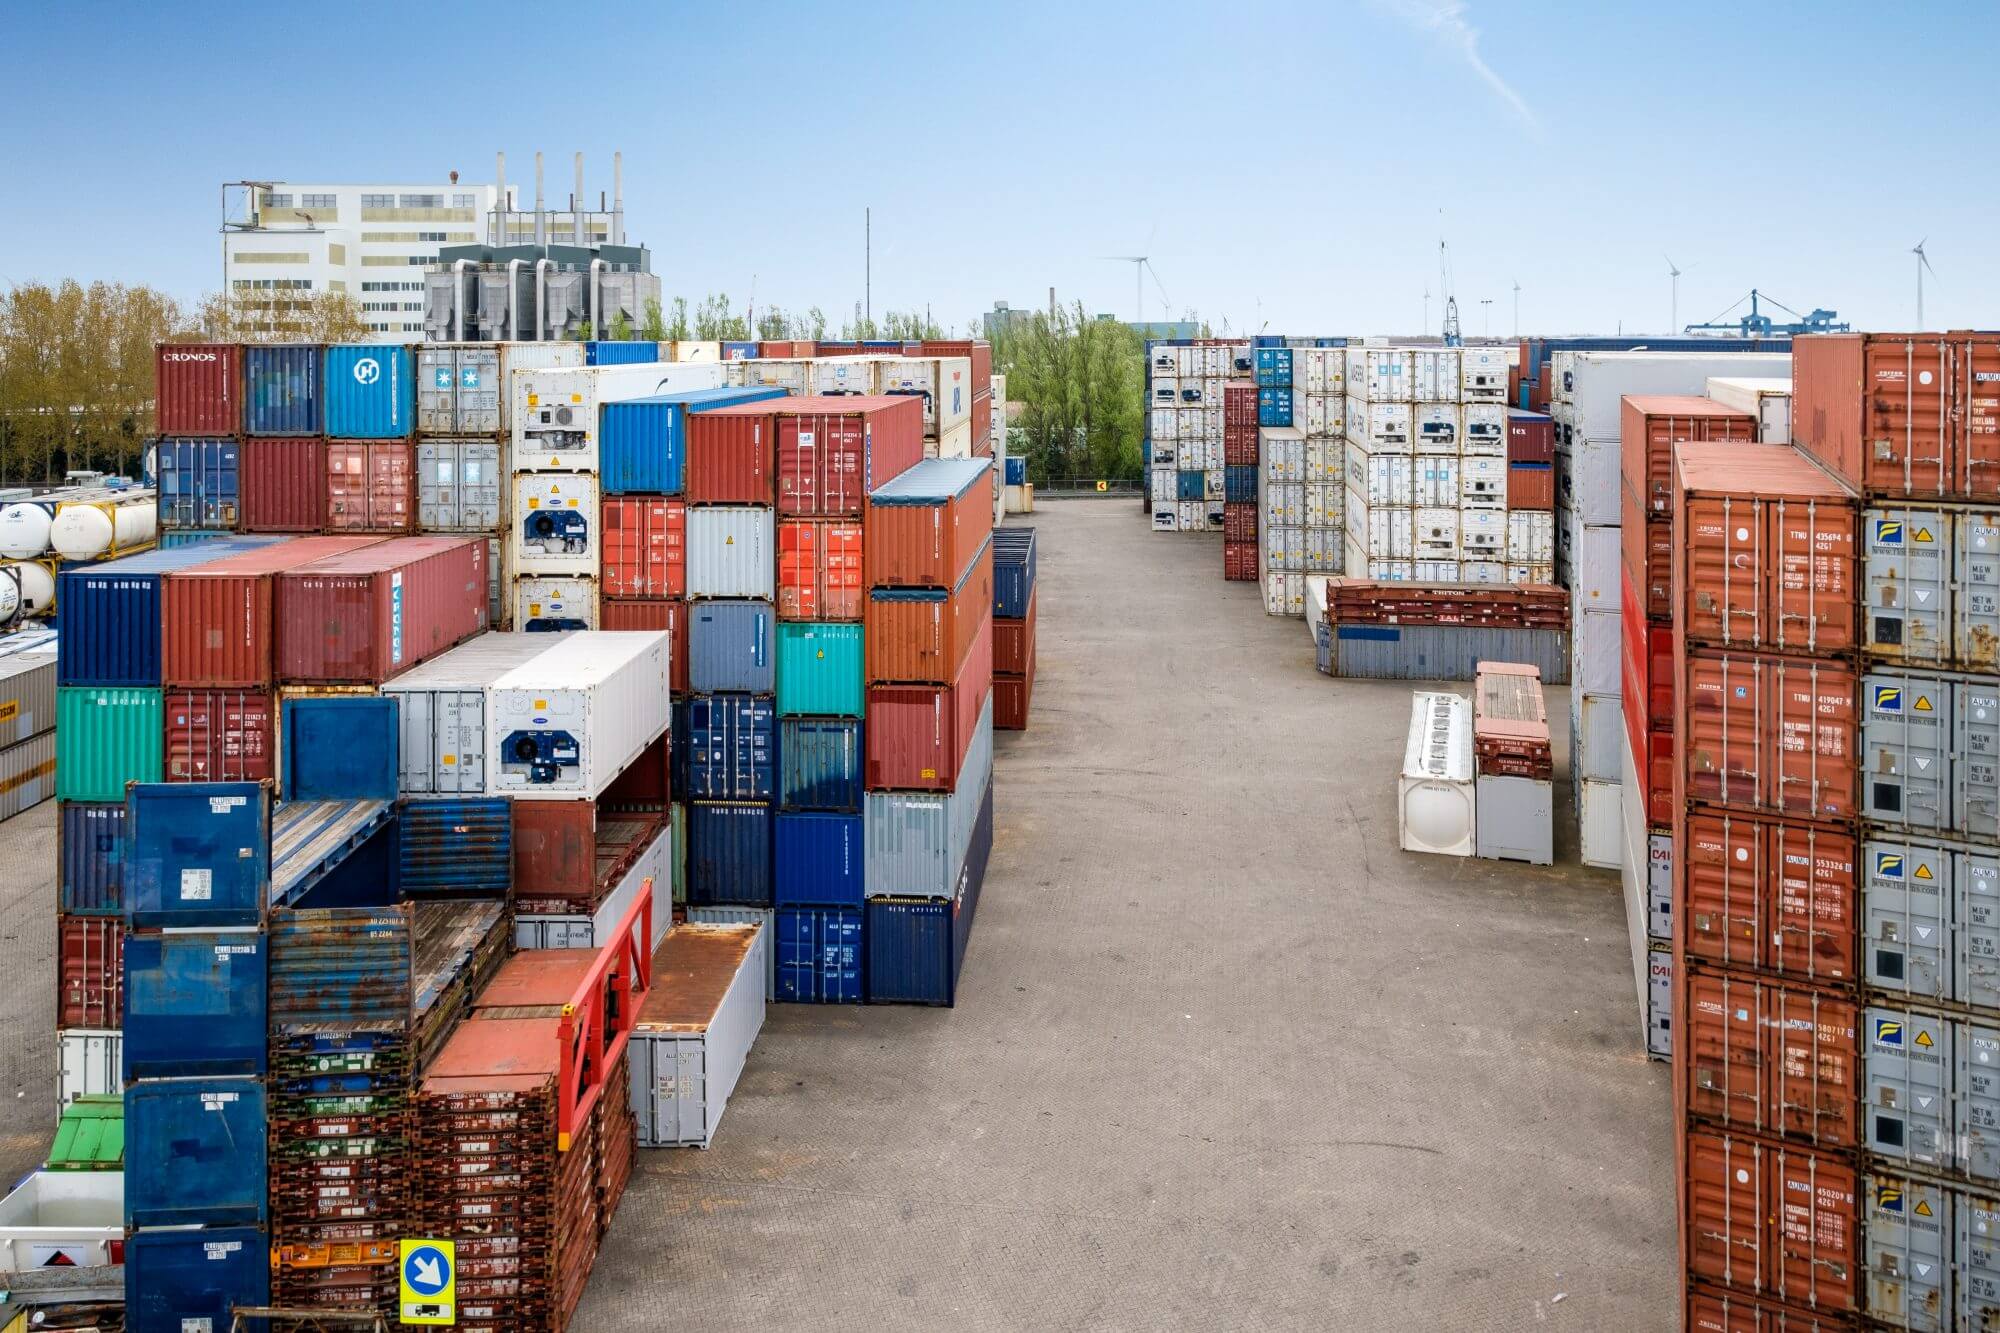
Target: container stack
(200, 414)
(28, 727)
(1301, 504)
(952, 379)
(1281, 491)
(1240, 482)
(371, 422)
(1441, 631)
(1187, 485)
(1768, 1011)
(1013, 627)
(1652, 427)
(929, 761)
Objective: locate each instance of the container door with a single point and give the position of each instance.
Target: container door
(1975, 611)
(420, 745)
(1975, 880)
(1975, 796)
(1905, 735)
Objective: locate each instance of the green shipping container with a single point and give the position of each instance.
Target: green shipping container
(819, 670)
(91, 1136)
(105, 738)
(677, 852)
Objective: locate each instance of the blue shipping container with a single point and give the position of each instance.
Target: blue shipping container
(1191, 483)
(92, 857)
(371, 391)
(818, 860)
(1274, 367)
(732, 748)
(620, 353)
(1274, 407)
(642, 442)
(1239, 484)
(738, 351)
(1013, 571)
(281, 387)
(199, 853)
(185, 537)
(340, 749)
(1017, 468)
(819, 955)
(109, 631)
(194, 1153)
(916, 946)
(732, 648)
(729, 853)
(199, 483)
(194, 1003)
(819, 760)
(456, 847)
(181, 1280)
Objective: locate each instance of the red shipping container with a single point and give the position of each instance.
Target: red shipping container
(918, 735)
(1012, 696)
(1239, 409)
(198, 388)
(1649, 654)
(1713, 1311)
(1776, 735)
(570, 853)
(982, 421)
(978, 351)
(1650, 425)
(1764, 551)
(90, 980)
(1239, 446)
(362, 617)
(819, 570)
(645, 547)
(1646, 550)
(221, 736)
(1014, 642)
(1531, 485)
(1239, 562)
(921, 636)
(1776, 895)
(653, 613)
(929, 541)
(1902, 415)
(219, 617)
(729, 458)
(370, 486)
(1239, 523)
(1773, 1221)
(1531, 438)
(1771, 1058)
(283, 483)
(832, 450)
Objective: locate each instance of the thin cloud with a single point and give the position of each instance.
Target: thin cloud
(1447, 23)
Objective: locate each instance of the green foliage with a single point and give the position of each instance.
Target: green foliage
(772, 325)
(714, 321)
(653, 328)
(620, 328)
(677, 329)
(1079, 381)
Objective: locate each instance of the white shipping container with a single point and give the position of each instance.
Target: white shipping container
(1326, 550)
(1215, 361)
(564, 725)
(1190, 362)
(1282, 451)
(1531, 537)
(1437, 481)
(690, 1044)
(89, 1062)
(1588, 475)
(463, 388)
(1485, 430)
(1284, 548)
(1482, 482)
(1484, 374)
(1192, 424)
(1436, 428)
(1215, 511)
(1325, 506)
(1434, 796)
(1165, 426)
(1482, 572)
(1383, 428)
(1320, 370)
(1594, 648)
(27, 774)
(1211, 451)
(1165, 513)
(1597, 721)
(847, 375)
(1285, 594)
(441, 712)
(1436, 374)
(731, 551)
(555, 410)
(1166, 394)
(1596, 382)
(1660, 1003)
(1324, 460)
(792, 374)
(1380, 374)
(1590, 557)
(556, 529)
(1212, 483)
(62, 1219)
(594, 931)
(1191, 516)
(27, 693)
(1390, 534)
(1436, 534)
(1768, 400)
(1391, 571)
(688, 349)
(1321, 414)
(1599, 821)
(1211, 420)
(1437, 571)
(1531, 573)
(1482, 534)
(944, 383)
(544, 604)
(1381, 479)
(1166, 479)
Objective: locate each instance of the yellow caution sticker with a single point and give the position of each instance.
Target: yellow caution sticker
(1923, 1208)
(1922, 535)
(10, 710)
(1924, 1038)
(534, 400)
(1923, 871)
(1923, 704)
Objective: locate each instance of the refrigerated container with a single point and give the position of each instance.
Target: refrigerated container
(542, 605)
(555, 421)
(556, 524)
(564, 724)
(462, 388)
(441, 712)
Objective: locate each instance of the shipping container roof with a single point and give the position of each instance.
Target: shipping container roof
(933, 481)
(722, 395)
(1679, 405)
(828, 404)
(161, 560)
(1762, 471)
(287, 554)
(381, 557)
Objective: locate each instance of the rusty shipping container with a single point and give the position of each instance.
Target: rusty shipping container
(1771, 735)
(371, 486)
(90, 975)
(833, 450)
(1766, 546)
(198, 389)
(1646, 549)
(925, 528)
(1652, 425)
(227, 735)
(1770, 1057)
(283, 483)
(669, 614)
(920, 636)
(569, 854)
(361, 617)
(1778, 1222)
(1014, 642)
(918, 735)
(1012, 696)
(220, 617)
(645, 547)
(1711, 1310)
(820, 570)
(1902, 415)
(1780, 896)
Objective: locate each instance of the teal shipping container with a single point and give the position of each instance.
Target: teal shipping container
(819, 670)
(105, 739)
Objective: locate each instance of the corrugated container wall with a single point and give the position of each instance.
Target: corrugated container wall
(833, 452)
(109, 631)
(643, 442)
(200, 482)
(926, 527)
(283, 383)
(284, 484)
(370, 487)
(92, 856)
(730, 550)
(220, 618)
(362, 617)
(370, 392)
(921, 636)
(458, 485)
(198, 388)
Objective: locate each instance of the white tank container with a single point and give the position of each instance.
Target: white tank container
(441, 712)
(731, 551)
(1435, 796)
(24, 528)
(544, 604)
(564, 725)
(555, 527)
(88, 529)
(554, 410)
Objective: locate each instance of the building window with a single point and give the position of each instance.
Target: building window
(272, 200)
(397, 261)
(272, 284)
(464, 201)
(336, 253)
(317, 201)
(336, 285)
(421, 201)
(378, 201)
(271, 257)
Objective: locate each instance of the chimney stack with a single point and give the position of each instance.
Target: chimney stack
(541, 235)
(498, 229)
(577, 204)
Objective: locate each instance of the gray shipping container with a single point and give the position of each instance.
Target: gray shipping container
(1906, 588)
(1907, 908)
(459, 390)
(1445, 652)
(1975, 764)
(458, 485)
(1906, 739)
(442, 712)
(1515, 819)
(915, 843)
(1976, 599)
(27, 695)
(1909, 1226)
(765, 916)
(682, 1074)
(27, 774)
(732, 551)
(1933, 1095)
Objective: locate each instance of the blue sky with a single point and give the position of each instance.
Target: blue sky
(1287, 166)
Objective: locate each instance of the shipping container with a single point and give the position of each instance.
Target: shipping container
(569, 854)
(284, 484)
(917, 841)
(818, 860)
(339, 748)
(194, 1003)
(565, 724)
(555, 417)
(365, 616)
(645, 547)
(643, 449)
(929, 525)
(220, 617)
(695, 1029)
(820, 763)
(1975, 609)
(89, 1062)
(282, 387)
(556, 524)
(819, 670)
(462, 387)
(820, 957)
(1531, 437)
(620, 353)
(731, 458)
(820, 570)
(90, 971)
(729, 853)
(1445, 652)
(595, 930)
(922, 635)
(943, 384)
(1765, 1058)
(180, 1280)
(1768, 401)
(1653, 425)
(441, 712)
(920, 950)
(195, 1152)
(58, 1217)
(452, 847)
(200, 482)
(1915, 1117)
(730, 551)
(370, 487)
(198, 388)
(552, 605)
(28, 693)
(197, 855)
(110, 737)
(730, 747)
(1901, 415)
(1771, 1221)
(732, 648)
(919, 734)
(1014, 643)
(670, 615)
(828, 453)
(458, 485)
(91, 857)
(371, 391)
(1769, 734)
(1768, 545)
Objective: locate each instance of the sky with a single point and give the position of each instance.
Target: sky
(1288, 167)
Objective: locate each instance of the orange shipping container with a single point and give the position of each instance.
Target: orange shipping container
(1649, 428)
(645, 547)
(915, 636)
(926, 527)
(729, 455)
(1777, 1060)
(1772, 1221)
(220, 736)
(1902, 415)
(1712, 1311)
(370, 486)
(1772, 735)
(1771, 894)
(819, 570)
(1764, 551)
(218, 617)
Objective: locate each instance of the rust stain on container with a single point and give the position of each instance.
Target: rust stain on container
(692, 971)
(1771, 894)
(1771, 1058)
(1769, 735)
(91, 980)
(1772, 1221)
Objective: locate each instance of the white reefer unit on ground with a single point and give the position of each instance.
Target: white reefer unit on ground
(565, 724)
(555, 529)
(441, 712)
(555, 410)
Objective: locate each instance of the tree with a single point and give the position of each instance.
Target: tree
(814, 324)
(714, 321)
(677, 328)
(772, 324)
(654, 327)
(267, 317)
(620, 329)
(1078, 381)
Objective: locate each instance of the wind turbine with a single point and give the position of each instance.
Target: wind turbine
(1923, 262)
(1140, 264)
(1674, 274)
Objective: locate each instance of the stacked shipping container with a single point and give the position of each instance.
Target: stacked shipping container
(1013, 627)
(1187, 479)
(1301, 508)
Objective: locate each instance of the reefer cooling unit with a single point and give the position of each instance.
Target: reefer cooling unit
(564, 725)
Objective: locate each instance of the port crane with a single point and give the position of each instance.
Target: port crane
(1757, 324)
